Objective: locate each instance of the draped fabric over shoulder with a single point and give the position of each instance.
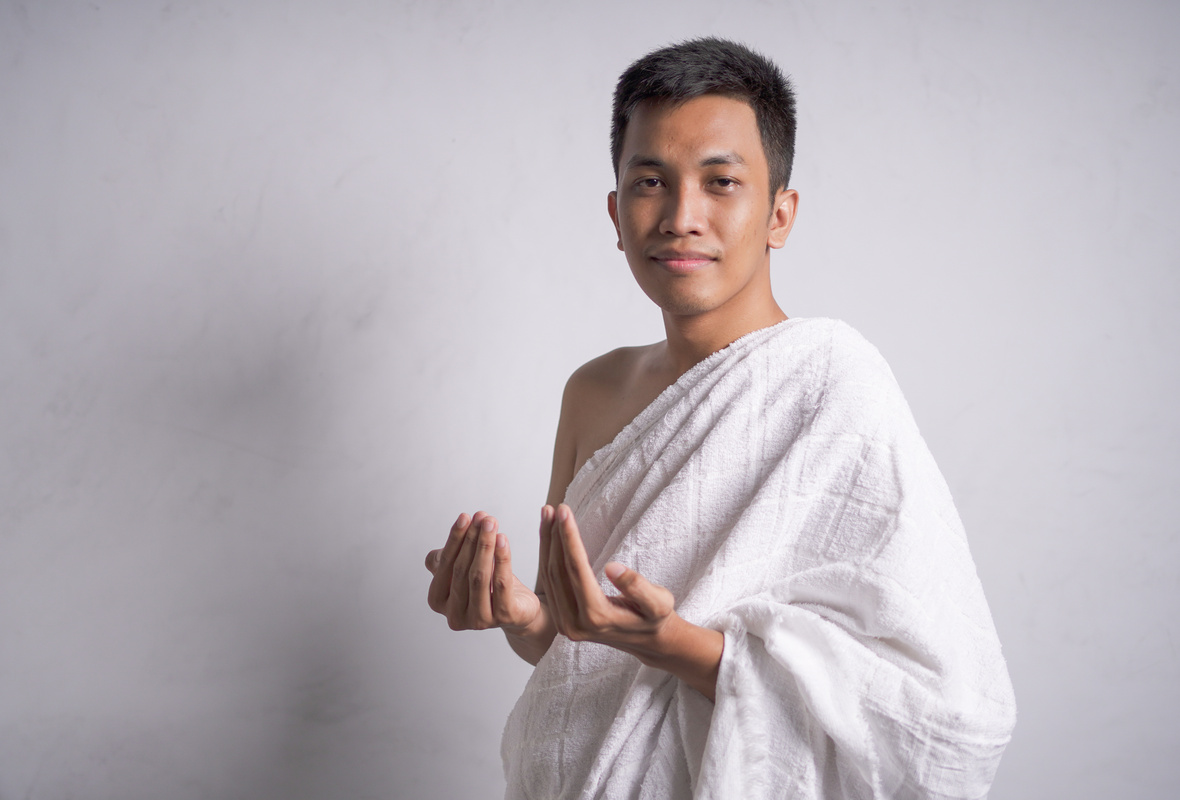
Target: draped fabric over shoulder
(780, 489)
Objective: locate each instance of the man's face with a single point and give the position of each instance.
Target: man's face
(693, 209)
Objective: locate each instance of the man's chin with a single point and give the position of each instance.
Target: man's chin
(680, 306)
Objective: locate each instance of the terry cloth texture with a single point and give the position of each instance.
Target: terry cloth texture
(780, 489)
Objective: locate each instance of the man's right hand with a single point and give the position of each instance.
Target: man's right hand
(474, 586)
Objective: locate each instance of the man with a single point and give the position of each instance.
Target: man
(752, 579)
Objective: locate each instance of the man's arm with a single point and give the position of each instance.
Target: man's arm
(641, 621)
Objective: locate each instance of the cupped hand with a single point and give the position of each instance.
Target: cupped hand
(633, 621)
(474, 586)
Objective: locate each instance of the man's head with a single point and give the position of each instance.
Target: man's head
(691, 69)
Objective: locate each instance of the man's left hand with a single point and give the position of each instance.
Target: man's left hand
(641, 621)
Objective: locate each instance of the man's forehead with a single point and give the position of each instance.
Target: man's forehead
(719, 129)
(657, 106)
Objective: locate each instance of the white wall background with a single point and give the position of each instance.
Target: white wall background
(286, 286)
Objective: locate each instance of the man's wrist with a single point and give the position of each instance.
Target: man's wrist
(536, 628)
(688, 651)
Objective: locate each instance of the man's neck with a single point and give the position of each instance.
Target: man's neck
(692, 339)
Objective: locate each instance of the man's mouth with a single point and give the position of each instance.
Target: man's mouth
(683, 261)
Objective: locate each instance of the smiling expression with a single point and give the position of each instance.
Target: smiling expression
(693, 208)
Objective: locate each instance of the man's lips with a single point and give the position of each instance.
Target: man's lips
(683, 260)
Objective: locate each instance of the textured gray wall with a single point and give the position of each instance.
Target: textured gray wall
(286, 286)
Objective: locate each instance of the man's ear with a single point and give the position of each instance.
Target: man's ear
(782, 216)
(612, 208)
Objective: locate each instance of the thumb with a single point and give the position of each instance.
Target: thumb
(655, 600)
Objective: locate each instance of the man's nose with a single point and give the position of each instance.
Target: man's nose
(683, 212)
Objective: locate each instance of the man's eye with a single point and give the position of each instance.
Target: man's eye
(648, 183)
(725, 183)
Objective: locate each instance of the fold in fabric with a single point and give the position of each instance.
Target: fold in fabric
(780, 489)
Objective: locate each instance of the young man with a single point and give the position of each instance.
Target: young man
(752, 582)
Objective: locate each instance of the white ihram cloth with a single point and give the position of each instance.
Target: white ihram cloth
(781, 491)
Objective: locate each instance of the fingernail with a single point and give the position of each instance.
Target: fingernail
(459, 520)
(613, 570)
(501, 541)
(563, 512)
(488, 524)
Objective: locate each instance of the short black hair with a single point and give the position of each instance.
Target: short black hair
(709, 65)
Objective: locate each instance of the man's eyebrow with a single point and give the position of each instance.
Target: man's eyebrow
(721, 159)
(639, 160)
(718, 160)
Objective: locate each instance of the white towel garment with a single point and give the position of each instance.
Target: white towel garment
(781, 491)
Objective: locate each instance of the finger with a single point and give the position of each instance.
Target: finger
(577, 564)
(543, 559)
(592, 608)
(503, 581)
(646, 598)
(479, 578)
(440, 586)
(545, 587)
(455, 539)
(546, 530)
(563, 598)
(457, 598)
(432, 560)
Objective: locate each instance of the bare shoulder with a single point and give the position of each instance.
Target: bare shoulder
(600, 398)
(605, 394)
(608, 373)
